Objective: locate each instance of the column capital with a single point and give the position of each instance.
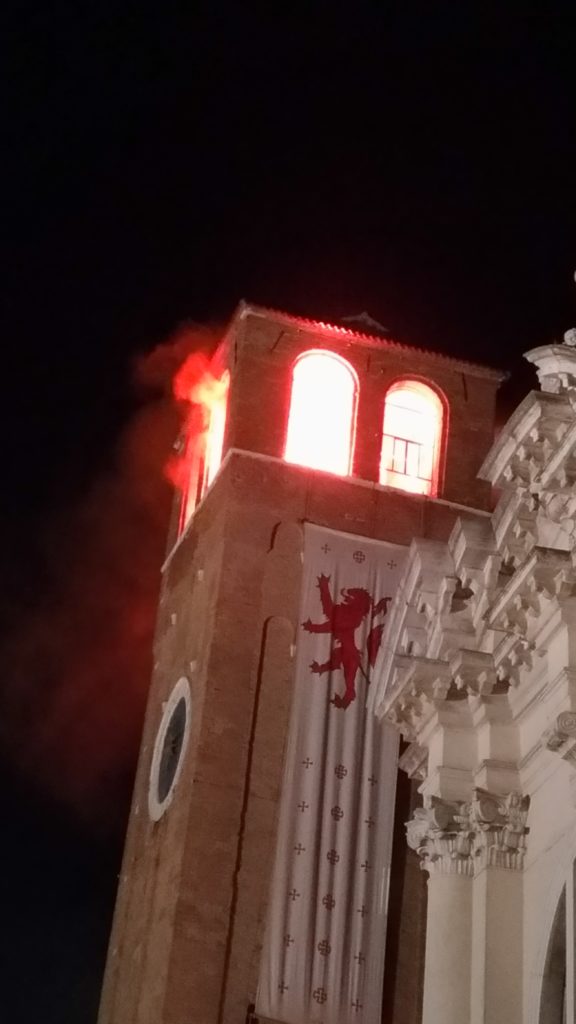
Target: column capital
(500, 830)
(441, 837)
(461, 838)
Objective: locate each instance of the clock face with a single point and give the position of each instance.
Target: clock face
(169, 749)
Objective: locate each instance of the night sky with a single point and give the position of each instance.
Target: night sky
(414, 161)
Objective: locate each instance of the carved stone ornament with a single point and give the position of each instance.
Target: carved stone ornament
(560, 738)
(462, 838)
(500, 830)
(556, 365)
(441, 838)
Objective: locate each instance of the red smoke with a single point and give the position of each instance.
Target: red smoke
(76, 668)
(201, 388)
(185, 382)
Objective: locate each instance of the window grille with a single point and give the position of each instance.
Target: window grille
(412, 434)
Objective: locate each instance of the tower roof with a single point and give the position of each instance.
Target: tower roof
(320, 327)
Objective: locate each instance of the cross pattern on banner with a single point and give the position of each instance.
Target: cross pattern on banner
(326, 926)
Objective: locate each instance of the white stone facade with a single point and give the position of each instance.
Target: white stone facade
(479, 675)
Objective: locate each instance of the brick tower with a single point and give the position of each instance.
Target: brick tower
(326, 427)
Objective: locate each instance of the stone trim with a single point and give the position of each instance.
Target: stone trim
(156, 807)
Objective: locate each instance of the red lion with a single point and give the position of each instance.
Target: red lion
(342, 621)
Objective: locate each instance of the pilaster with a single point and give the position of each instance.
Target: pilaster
(439, 834)
(474, 853)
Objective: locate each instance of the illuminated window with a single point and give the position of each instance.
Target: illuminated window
(205, 441)
(215, 431)
(413, 416)
(322, 413)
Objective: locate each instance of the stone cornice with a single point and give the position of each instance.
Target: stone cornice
(473, 672)
(522, 421)
(554, 475)
(416, 684)
(408, 622)
(555, 365)
(547, 571)
(532, 434)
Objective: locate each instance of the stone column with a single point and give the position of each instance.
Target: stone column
(439, 833)
(474, 852)
(500, 830)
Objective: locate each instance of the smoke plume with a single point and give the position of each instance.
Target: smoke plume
(76, 664)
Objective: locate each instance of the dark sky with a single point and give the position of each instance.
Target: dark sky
(160, 162)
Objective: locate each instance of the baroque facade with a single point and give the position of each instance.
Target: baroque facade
(479, 676)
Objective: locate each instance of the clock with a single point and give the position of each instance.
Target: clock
(169, 749)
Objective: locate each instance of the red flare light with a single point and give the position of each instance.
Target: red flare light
(206, 393)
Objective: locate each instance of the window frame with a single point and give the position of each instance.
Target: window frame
(439, 453)
(327, 353)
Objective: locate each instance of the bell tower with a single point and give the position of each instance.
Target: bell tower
(315, 428)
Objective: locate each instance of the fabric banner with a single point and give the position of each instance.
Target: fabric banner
(323, 957)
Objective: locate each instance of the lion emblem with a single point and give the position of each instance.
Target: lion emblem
(342, 621)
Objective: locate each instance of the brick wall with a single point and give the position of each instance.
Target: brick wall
(193, 895)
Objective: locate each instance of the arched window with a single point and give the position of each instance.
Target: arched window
(412, 437)
(322, 415)
(558, 995)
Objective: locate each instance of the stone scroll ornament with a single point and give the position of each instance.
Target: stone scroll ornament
(560, 738)
(323, 954)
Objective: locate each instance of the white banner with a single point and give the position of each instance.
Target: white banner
(323, 957)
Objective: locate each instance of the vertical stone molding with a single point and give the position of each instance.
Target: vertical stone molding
(497, 927)
(460, 843)
(448, 963)
(440, 835)
(500, 843)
